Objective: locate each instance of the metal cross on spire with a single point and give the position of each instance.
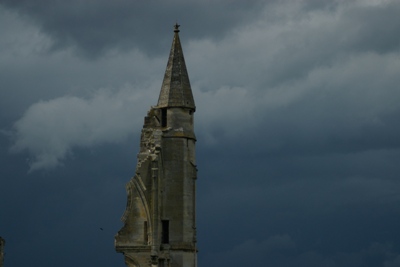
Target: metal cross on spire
(176, 27)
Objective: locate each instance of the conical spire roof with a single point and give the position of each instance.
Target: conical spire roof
(175, 89)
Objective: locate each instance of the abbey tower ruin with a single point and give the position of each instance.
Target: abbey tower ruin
(160, 218)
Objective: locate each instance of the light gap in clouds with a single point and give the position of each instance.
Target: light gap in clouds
(50, 129)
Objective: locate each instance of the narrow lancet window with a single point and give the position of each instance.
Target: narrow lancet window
(165, 231)
(163, 117)
(145, 235)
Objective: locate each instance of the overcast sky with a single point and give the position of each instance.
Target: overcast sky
(297, 124)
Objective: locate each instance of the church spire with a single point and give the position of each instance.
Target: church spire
(160, 217)
(175, 89)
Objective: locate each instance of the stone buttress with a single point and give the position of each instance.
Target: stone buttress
(159, 221)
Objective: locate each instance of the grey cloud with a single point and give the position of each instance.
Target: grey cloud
(96, 26)
(346, 105)
(29, 74)
(348, 112)
(50, 129)
(372, 28)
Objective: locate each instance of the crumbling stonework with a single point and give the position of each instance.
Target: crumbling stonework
(159, 221)
(2, 244)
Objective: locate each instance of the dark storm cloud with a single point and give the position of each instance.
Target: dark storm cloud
(380, 30)
(373, 255)
(323, 99)
(297, 127)
(45, 207)
(325, 204)
(96, 26)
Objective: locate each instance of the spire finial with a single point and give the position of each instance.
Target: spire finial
(176, 27)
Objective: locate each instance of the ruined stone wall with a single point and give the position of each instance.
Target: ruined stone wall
(162, 190)
(2, 243)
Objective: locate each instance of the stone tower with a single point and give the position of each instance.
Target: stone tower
(160, 219)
